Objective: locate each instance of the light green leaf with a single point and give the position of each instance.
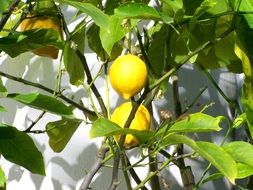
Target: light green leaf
(2, 180)
(104, 127)
(247, 91)
(2, 109)
(241, 152)
(112, 33)
(239, 121)
(43, 102)
(4, 5)
(101, 19)
(73, 65)
(60, 132)
(19, 148)
(21, 42)
(137, 11)
(243, 170)
(218, 158)
(197, 122)
(3, 90)
(211, 152)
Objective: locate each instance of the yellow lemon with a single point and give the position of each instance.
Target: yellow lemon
(140, 122)
(128, 75)
(43, 22)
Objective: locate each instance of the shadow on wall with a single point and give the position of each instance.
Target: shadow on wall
(191, 81)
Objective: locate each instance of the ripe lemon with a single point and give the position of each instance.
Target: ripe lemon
(128, 75)
(140, 122)
(43, 22)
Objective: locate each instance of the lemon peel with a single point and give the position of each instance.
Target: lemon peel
(128, 75)
(140, 122)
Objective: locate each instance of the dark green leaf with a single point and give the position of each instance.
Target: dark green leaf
(43, 102)
(104, 127)
(73, 65)
(190, 6)
(136, 10)
(157, 51)
(78, 35)
(60, 132)
(211, 152)
(4, 5)
(241, 152)
(243, 170)
(21, 42)
(19, 148)
(2, 179)
(95, 44)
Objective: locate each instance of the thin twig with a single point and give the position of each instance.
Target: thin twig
(26, 82)
(7, 15)
(96, 166)
(34, 122)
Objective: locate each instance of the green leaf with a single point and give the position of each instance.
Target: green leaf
(95, 44)
(78, 35)
(112, 33)
(19, 148)
(137, 11)
(218, 158)
(194, 123)
(21, 42)
(190, 6)
(157, 51)
(95, 13)
(243, 170)
(2, 109)
(241, 152)
(239, 121)
(205, 5)
(247, 91)
(60, 132)
(104, 127)
(211, 152)
(3, 90)
(212, 177)
(73, 65)
(4, 5)
(2, 179)
(43, 102)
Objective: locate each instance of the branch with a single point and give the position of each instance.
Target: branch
(29, 129)
(86, 68)
(26, 82)
(7, 15)
(96, 166)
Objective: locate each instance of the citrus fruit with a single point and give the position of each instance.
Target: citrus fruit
(140, 122)
(128, 75)
(43, 22)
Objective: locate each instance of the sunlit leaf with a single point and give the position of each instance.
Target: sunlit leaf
(43, 102)
(211, 152)
(137, 10)
(241, 152)
(239, 121)
(19, 148)
(2, 179)
(243, 170)
(2, 109)
(60, 132)
(3, 90)
(104, 127)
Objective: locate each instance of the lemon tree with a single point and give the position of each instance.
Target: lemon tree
(140, 47)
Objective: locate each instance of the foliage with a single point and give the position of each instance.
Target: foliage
(166, 34)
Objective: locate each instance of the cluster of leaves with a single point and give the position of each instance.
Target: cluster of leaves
(208, 33)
